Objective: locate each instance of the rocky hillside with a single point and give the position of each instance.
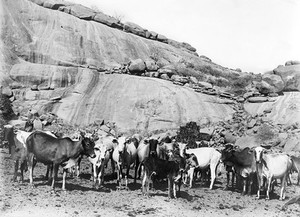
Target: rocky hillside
(81, 65)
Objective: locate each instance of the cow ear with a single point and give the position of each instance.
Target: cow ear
(146, 141)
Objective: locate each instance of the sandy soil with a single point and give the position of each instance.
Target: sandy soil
(19, 199)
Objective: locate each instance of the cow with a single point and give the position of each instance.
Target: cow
(244, 164)
(229, 167)
(104, 147)
(272, 166)
(160, 168)
(56, 151)
(125, 155)
(17, 150)
(207, 157)
(191, 165)
(165, 149)
(296, 166)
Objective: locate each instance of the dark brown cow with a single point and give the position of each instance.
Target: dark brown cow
(56, 151)
(244, 164)
(159, 168)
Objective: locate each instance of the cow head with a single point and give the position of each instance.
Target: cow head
(152, 147)
(227, 152)
(28, 126)
(182, 149)
(88, 146)
(258, 153)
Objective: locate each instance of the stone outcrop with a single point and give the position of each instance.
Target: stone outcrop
(85, 13)
(290, 75)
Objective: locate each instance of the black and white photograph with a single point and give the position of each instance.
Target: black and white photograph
(161, 108)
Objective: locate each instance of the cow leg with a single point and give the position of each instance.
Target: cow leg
(213, 169)
(250, 184)
(126, 176)
(282, 190)
(269, 180)
(169, 187)
(16, 162)
(232, 179)
(244, 185)
(64, 179)
(136, 170)
(30, 168)
(78, 167)
(298, 178)
(192, 177)
(54, 175)
(174, 188)
(94, 172)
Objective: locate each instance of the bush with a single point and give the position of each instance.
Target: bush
(265, 133)
(6, 108)
(190, 133)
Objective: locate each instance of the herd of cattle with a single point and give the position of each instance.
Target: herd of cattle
(154, 158)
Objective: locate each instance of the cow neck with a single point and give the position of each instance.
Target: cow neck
(10, 138)
(78, 149)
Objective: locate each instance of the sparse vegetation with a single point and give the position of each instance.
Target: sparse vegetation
(190, 133)
(265, 133)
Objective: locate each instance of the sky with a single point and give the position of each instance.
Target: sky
(253, 35)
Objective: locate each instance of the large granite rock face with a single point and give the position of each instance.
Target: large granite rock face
(132, 102)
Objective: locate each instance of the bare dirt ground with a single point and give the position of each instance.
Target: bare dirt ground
(19, 199)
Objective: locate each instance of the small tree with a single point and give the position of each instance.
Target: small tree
(189, 134)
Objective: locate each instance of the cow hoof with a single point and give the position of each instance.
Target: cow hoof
(257, 197)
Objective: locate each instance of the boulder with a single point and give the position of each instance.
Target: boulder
(7, 91)
(292, 144)
(164, 76)
(205, 58)
(251, 124)
(193, 80)
(55, 5)
(168, 69)
(204, 84)
(16, 85)
(151, 65)
(229, 137)
(137, 66)
(274, 81)
(264, 88)
(135, 29)
(290, 75)
(246, 141)
(107, 20)
(153, 35)
(34, 87)
(37, 124)
(292, 62)
(174, 43)
(257, 99)
(178, 78)
(162, 38)
(188, 47)
(81, 12)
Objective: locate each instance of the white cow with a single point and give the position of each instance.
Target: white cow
(104, 147)
(272, 166)
(125, 155)
(207, 157)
